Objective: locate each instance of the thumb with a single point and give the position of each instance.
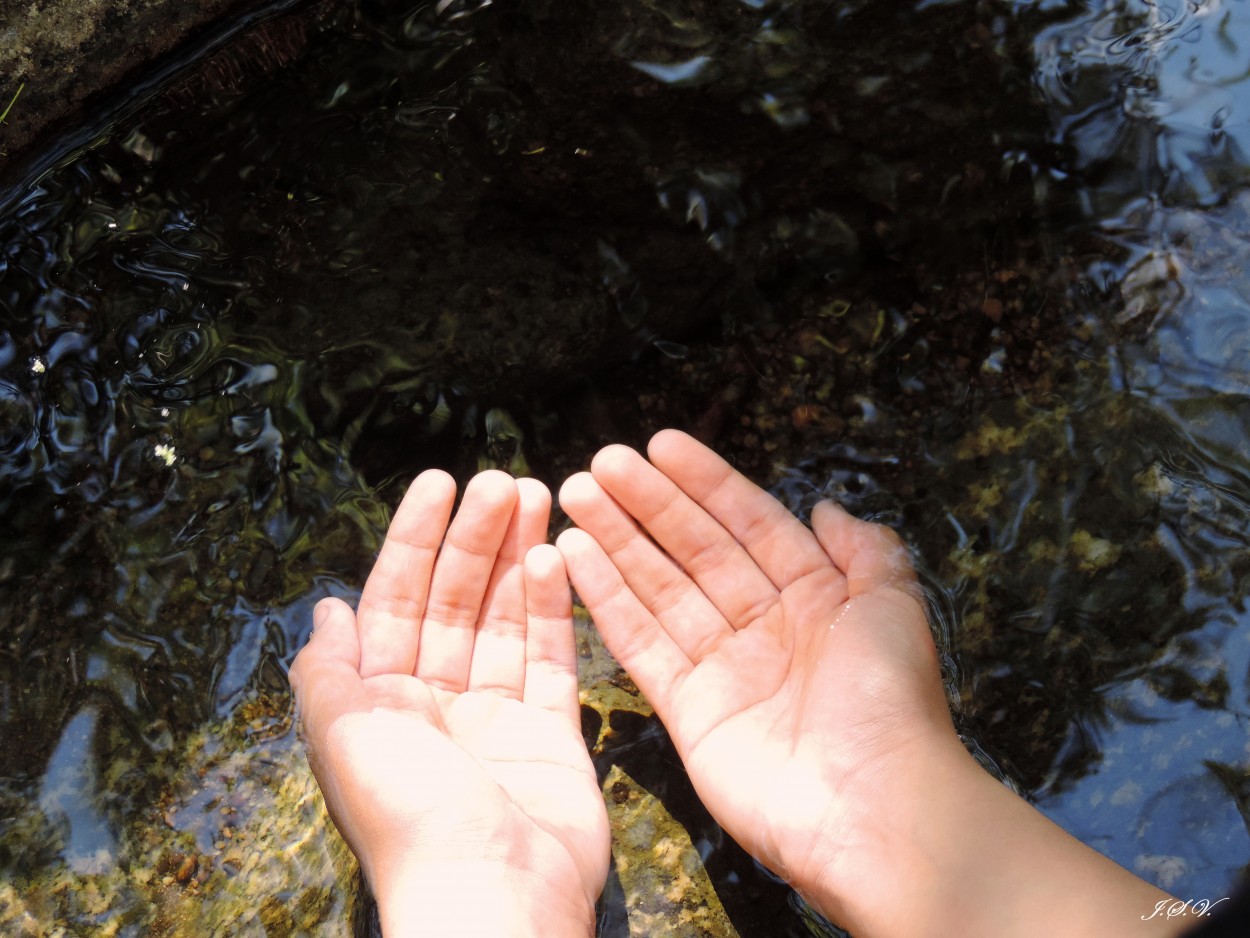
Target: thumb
(325, 676)
(870, 556)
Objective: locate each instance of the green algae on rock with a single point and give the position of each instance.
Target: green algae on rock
(238, 844)
(605, 688)
(667, 890)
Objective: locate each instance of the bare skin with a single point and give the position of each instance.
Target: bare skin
(443, 725)
(793, 668)
(797, 676)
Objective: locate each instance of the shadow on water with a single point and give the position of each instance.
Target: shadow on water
(976, 270)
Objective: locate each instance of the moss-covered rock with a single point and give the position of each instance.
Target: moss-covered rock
(667, 890)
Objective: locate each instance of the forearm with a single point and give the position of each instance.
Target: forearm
(471, 899)
(965, 856)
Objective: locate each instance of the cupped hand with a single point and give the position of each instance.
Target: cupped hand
(442, 718)
(794, 669)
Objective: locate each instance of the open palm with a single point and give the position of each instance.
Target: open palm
(793, 668)
(442, 718)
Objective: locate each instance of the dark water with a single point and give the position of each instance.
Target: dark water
(978, 270)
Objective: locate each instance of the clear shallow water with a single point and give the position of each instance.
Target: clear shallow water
(1153, 103)
(975, 271)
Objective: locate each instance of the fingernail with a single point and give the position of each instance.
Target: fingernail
(321, 612)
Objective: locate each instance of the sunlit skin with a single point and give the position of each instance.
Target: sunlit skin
(796, 673)
(442, 721)
(793, 667)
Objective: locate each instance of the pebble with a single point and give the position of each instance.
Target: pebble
(186, 869)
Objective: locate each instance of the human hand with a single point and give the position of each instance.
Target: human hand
(795, 671)
(443, 725)
(797, 676)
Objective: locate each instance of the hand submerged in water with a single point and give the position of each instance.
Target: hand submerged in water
(795, 672)
(793, 668)
(443, 725)
(797, 676)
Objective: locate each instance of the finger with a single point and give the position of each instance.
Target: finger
(325, 676)
(870, 555)
(550, 653)
(653, 659)
(776, 540)
(396, 592)
(498, 663)
(685, 612)
(461, 575)
(706, 551)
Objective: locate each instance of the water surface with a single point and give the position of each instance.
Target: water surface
(978, 270)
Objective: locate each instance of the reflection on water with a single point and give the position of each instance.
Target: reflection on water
(67, 794)
(1152, 100)
(1012, 324)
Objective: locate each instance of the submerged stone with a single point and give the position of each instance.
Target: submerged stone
(238, 843)
(667, 890)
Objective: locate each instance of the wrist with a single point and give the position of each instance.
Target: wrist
(960, 853)
(881, 848)
(481, 897)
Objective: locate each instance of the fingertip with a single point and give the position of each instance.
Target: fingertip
(432, 489)
(544, 561)
(686, 461)
(534, 505)
(550, 654)
(870, 554)
(576, 548)
(533, 491)
(434, 481)
(532, 512)
(577, 489)
(828, 511)
(328, 613)
(493, 479)
(571, 541)
(494, 487)
(613, 461)
(666, 440)
(333, 635)
(321, 612)
(547, 595)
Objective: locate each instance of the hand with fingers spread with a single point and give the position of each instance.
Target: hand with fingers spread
(442, 721)
(793, 670)
(797, 676)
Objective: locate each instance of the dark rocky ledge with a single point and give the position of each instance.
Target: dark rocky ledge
(61, 58)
